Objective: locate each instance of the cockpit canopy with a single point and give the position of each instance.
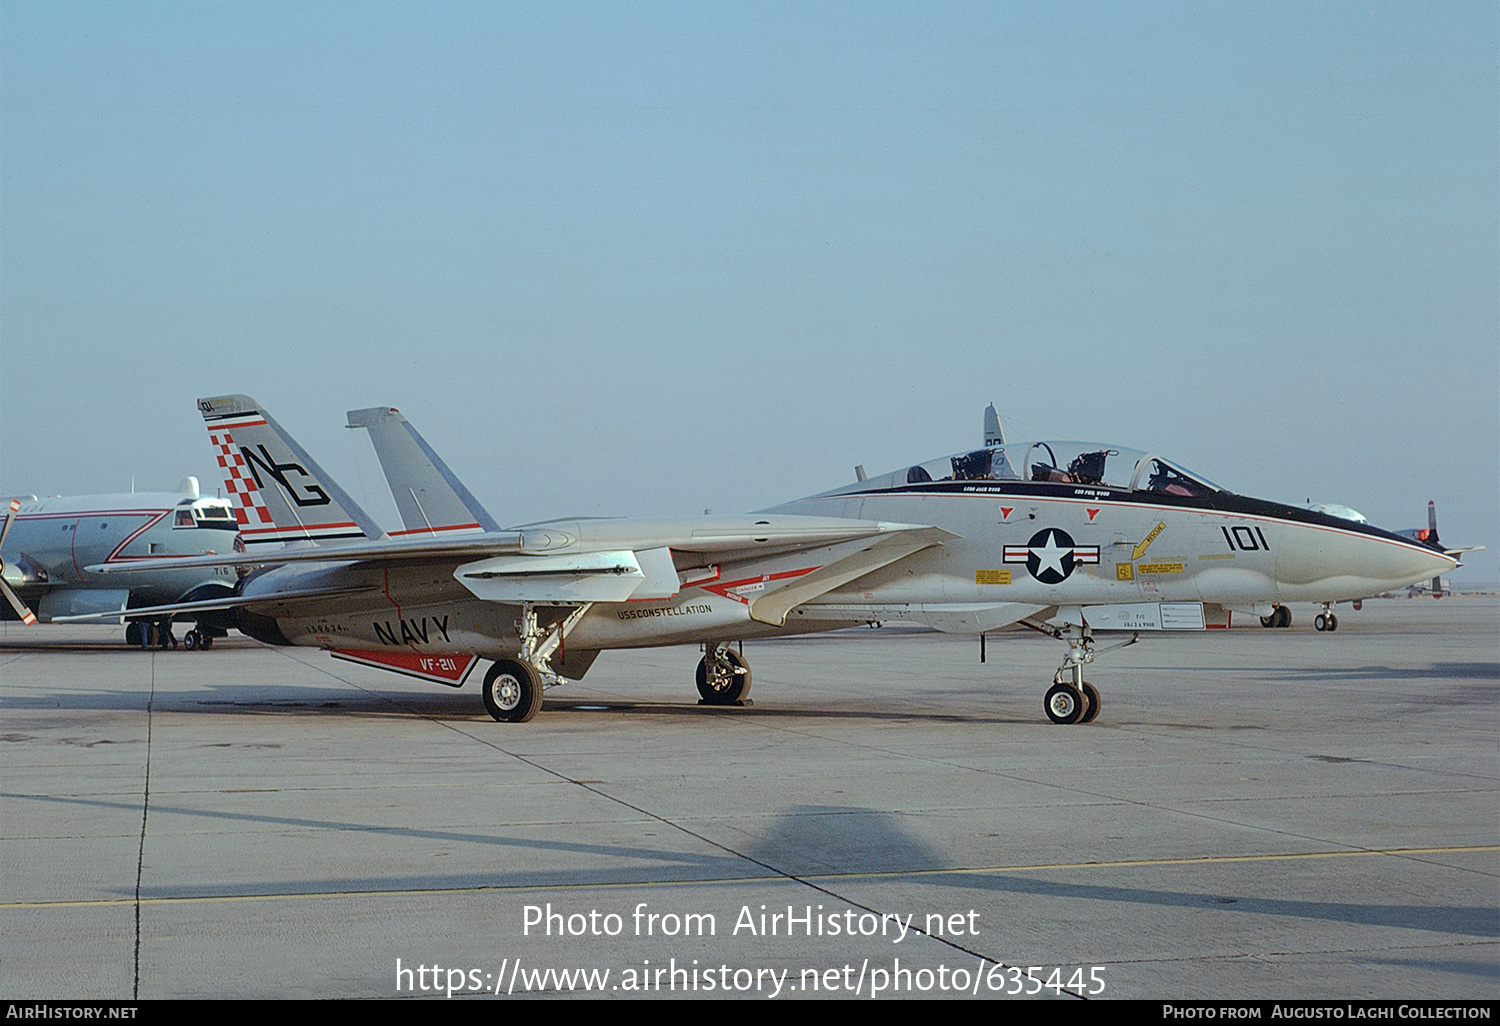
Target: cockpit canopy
(216, 514)
(1080, 463)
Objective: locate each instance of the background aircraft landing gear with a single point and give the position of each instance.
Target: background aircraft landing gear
(512, 693)
(1326, 621)
(723, 676)
(196, 639)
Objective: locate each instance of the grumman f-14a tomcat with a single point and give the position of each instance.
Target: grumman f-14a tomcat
(1068, 538)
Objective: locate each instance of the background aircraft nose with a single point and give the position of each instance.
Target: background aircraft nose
(1328, 564)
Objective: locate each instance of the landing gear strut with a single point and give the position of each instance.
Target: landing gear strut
(723, 676)
(513, 687)
(1326, 621)
(1071, 699)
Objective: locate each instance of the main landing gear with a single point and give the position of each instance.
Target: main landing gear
(512, 692)
(513, 687)
(146, 633)
(1326, 621)
(723, 675)
(1071, 699)
(1281, 616)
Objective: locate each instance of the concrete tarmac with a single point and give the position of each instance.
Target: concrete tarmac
(1255, 814)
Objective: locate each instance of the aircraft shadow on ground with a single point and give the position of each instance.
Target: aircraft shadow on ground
(232, 699)
(805, 841)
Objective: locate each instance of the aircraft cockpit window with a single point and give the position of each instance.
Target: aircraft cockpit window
(1155, 474)
(973, 466)
(1080, 463)
(217, 517)
(990, 464)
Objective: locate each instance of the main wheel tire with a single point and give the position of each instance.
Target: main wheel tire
(205, 641)
(190, 641)
(1064, 704)
(722, 691)
(1283, 616)
(1268, 621)
(511, 692)
(1095, 703)
(135, 634)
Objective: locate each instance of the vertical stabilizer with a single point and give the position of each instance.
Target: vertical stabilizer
(430, 498)
(279, 492)
(993, 435)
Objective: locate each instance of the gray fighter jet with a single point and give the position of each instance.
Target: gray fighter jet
(1067, 538)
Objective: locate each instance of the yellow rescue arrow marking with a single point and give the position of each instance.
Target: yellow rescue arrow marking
(1140, 550)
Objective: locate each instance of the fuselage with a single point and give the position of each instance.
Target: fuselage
(1025, 527)
(54, 541)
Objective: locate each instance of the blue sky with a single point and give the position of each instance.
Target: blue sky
(655, 258)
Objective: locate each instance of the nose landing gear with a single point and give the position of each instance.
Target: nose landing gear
(1071, 699)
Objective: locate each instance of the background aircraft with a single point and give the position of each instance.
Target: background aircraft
(1063, 537)
(53, 554)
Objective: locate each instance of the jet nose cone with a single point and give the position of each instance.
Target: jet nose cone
(1327, 564)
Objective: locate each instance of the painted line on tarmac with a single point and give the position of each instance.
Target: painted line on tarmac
(718, 882)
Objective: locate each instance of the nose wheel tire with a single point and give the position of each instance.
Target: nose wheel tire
(1065, 704)
(512, 693)
(1092, 694)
